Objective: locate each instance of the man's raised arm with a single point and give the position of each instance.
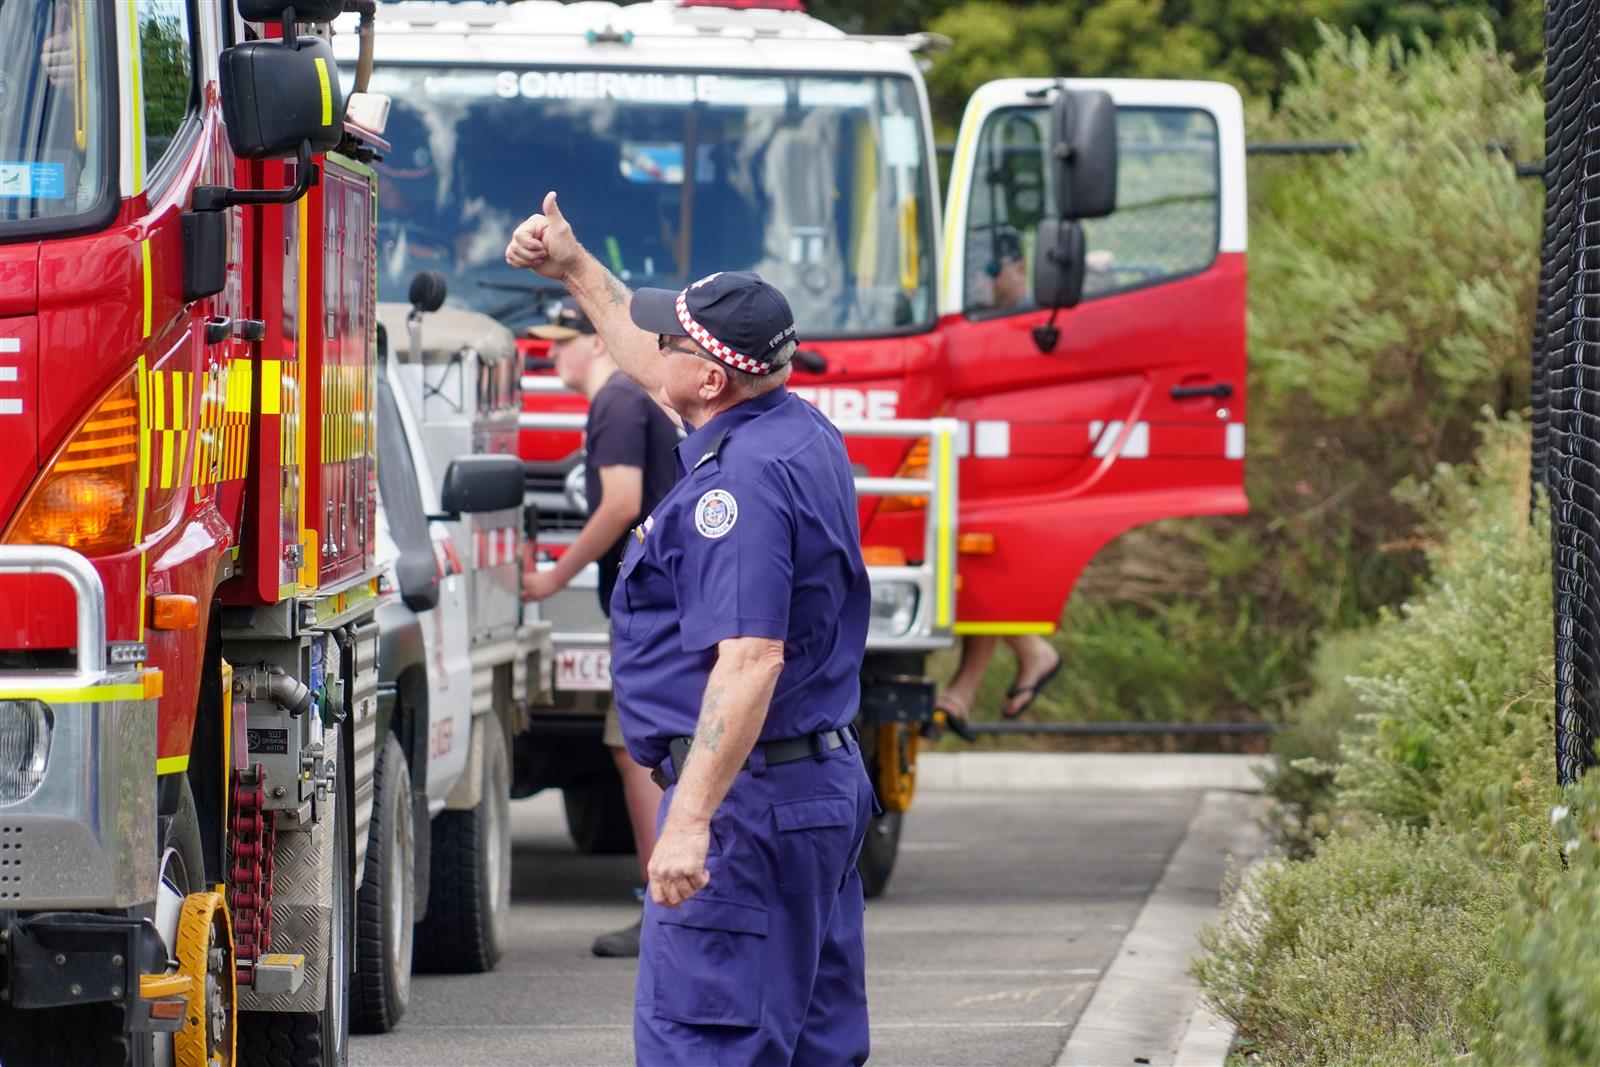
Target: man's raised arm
(546, 245)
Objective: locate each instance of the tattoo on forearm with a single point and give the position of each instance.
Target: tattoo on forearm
(712, 724)
(619, 292)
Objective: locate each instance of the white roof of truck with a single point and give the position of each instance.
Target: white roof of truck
(656, 34)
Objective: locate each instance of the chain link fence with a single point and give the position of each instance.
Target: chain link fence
(1566, 369)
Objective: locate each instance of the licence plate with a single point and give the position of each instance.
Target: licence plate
(583, 669)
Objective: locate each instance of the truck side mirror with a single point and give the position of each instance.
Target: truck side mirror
(279, 99)
(428, 290)
(427, 293)
(1083, 171)
(418, 576)
(482, 483)
(1058, 264)
(300, 10)
(276, 98)
(1083, 150)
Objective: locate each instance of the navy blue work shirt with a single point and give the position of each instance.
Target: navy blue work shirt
(759, 538)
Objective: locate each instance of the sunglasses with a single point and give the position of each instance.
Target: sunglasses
(664, 344)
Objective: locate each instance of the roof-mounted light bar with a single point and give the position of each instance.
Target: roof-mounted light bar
(747, 5)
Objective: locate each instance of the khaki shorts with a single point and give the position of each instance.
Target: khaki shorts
(613, 731)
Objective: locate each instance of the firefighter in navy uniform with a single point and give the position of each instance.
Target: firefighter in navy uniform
(739, 623)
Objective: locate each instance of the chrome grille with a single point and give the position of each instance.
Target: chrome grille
(575, 609)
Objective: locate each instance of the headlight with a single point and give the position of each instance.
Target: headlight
(577, 490)
(894, 606)
(25, 727)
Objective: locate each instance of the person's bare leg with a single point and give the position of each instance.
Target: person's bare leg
(962, 690)
(1036, 658)
(644, 797)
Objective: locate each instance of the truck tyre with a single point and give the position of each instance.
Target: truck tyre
(878, 852)
(881, 847)
(89, 1034)
(386, 902)
(597, 817)
(469, 891)
(315, 1038)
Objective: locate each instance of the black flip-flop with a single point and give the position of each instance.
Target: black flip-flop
(954, 721)
(1032, 691)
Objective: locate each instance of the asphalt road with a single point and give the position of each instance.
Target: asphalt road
(1004, 911)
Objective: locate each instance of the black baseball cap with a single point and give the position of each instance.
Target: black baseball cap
(567, 321)
(732, 314)
(1006, 247)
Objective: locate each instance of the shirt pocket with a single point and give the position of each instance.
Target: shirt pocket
(814, 838)
(640, 615)
(708, 958)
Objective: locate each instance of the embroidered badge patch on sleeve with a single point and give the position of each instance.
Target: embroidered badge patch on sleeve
(716, 513)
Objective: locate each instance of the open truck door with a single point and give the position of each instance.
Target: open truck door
(1124, 402)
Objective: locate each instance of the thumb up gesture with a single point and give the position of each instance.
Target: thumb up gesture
(544, 243)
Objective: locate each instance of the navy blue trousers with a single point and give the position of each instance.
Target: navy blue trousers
(766, 964)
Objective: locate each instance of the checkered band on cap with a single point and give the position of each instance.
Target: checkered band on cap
(702, 337)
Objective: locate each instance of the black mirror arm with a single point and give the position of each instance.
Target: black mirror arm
(1047, 336)
(217, 197)
(446, 516)
(291, 31)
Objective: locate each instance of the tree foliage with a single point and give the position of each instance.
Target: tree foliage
(1245, 42)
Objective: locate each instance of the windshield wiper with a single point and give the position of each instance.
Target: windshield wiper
(528, 294)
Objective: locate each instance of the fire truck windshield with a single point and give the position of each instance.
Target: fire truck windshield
(53, 163)
(818, 183)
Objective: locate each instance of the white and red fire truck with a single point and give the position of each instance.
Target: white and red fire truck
(456, 661)
(1063, 332)
(188, 676)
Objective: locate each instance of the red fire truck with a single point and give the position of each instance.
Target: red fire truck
(188, 708)
(1063, 333)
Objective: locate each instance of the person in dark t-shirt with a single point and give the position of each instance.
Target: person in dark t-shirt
(629, 462)
(629, 465)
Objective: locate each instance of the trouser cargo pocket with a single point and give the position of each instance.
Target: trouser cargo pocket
(813, 841)
(707, 962)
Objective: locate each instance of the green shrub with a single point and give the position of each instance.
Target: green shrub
(1417, 779)
(1376, 949)
(1548, 1006)
(1439, 710)
(1455, 699)
(1306, 749)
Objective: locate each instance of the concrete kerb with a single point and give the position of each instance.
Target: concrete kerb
(985, 771)
(1146, 1008)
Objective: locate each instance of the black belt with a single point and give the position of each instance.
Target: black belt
(783, 750)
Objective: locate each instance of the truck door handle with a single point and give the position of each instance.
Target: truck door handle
(1221, 391)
